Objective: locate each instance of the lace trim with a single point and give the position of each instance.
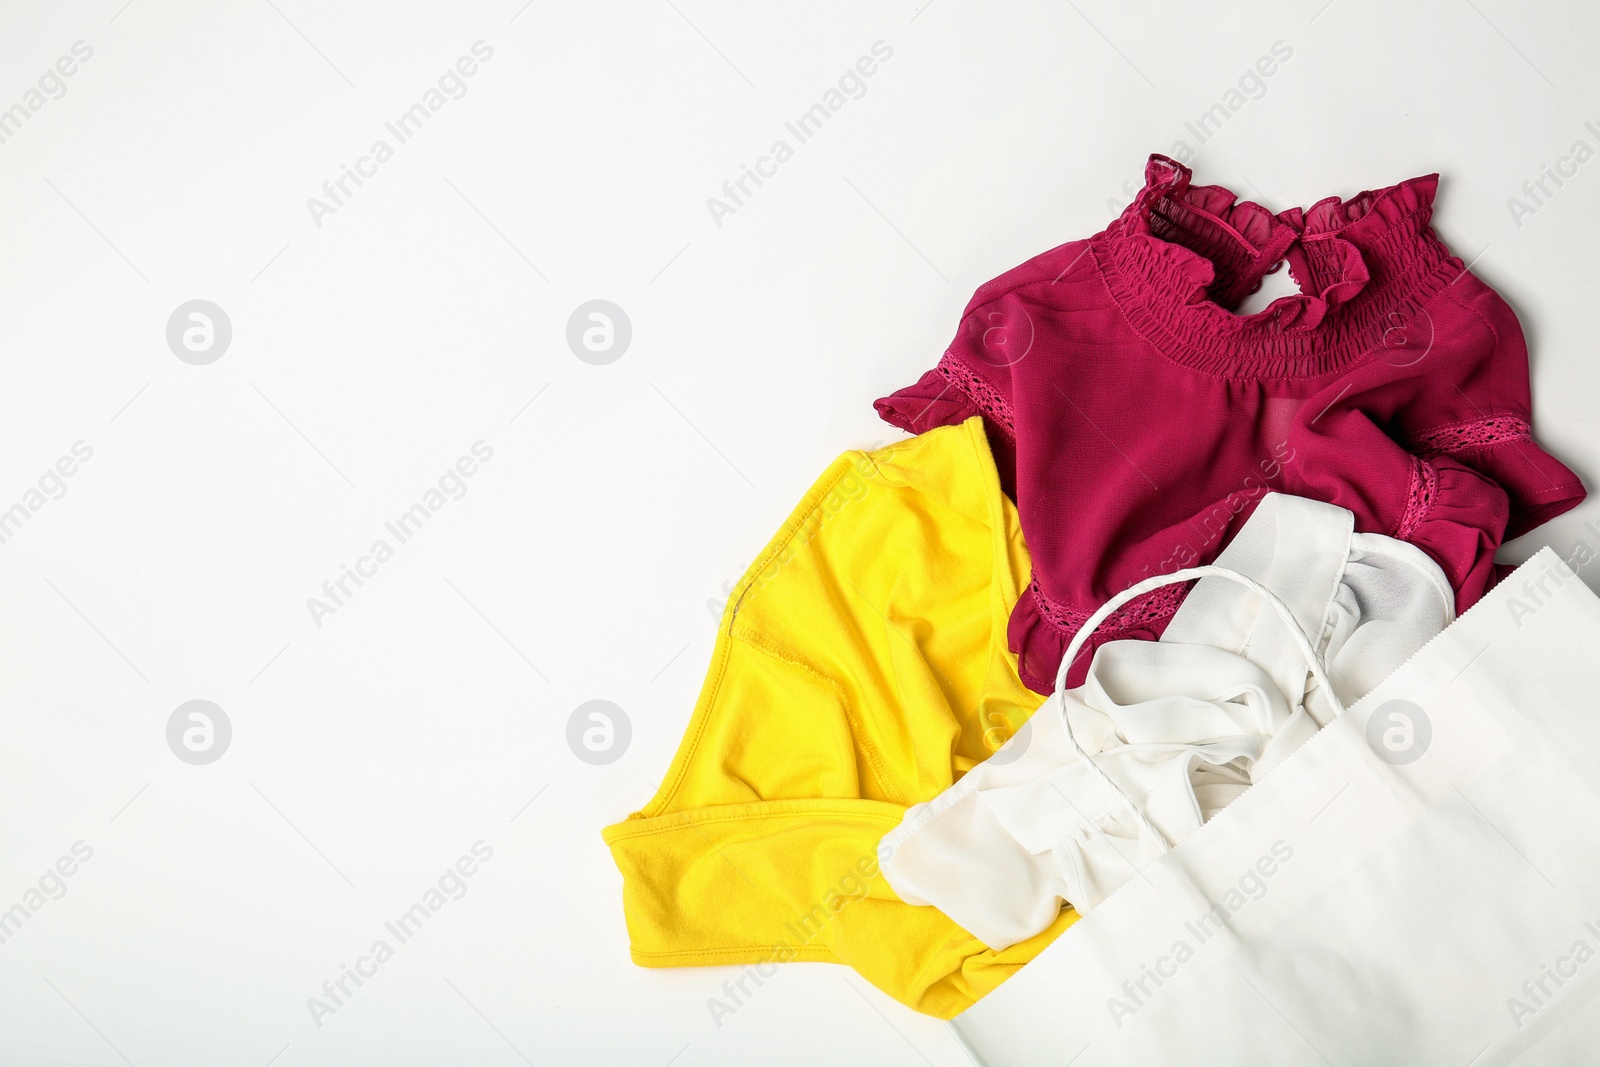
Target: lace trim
(980, 392)
(1477, 433)
(1142, 611)
(1419, 497)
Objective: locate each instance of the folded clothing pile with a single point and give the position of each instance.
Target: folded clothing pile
(862, 748)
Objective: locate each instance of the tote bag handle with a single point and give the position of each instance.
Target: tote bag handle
(1303, 643)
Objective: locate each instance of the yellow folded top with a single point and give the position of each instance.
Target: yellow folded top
(860, 667)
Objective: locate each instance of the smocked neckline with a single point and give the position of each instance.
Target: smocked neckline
(1182, 257)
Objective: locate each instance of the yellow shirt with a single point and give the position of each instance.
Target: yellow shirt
(860, 667)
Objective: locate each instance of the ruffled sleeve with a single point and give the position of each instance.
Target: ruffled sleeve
(932, 400)
(978, 374)
(1501, 448)
(1458, 516)
(1432, 442)
(1480, 420)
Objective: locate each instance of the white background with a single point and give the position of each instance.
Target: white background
(425, 314)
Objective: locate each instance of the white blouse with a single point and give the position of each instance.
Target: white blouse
(1181, 726)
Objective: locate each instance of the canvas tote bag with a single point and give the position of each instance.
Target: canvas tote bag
(1418, 884)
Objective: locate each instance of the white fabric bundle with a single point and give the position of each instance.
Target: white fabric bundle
(1182, 725)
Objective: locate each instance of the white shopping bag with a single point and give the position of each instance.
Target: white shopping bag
(1418, 884)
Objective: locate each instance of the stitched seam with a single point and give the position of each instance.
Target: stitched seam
(1495, 334)
(1420, 491)
(858, 733)
(1565, 487)
(1000, 555)
(999, 544)
(1325, 630)
(814, 953)
(710, 820)
(710, 697)
(1150, 607)
(985, 397)
(1469, 434)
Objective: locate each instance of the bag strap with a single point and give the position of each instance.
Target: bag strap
(1302, 642)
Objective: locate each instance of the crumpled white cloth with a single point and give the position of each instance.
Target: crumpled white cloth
(1182, 725)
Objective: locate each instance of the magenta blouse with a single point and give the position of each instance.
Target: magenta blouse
(1136, 418)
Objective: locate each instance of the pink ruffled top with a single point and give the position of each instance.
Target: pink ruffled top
(1137, 418)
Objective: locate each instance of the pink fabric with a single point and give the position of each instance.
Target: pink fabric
(1138, 419)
